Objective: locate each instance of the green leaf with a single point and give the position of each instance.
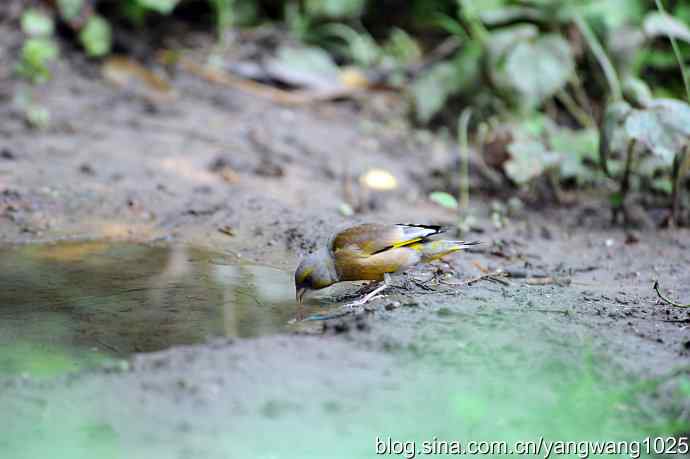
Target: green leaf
(444, 199)
(37, 116)
(402, 47)
(309, 67)
(70, 9)
(36, 54)
(360, 47)
(658, 24)
(663, 184)
(582, 143)
(616, 200)
(613, 14)
(576, 148)
(477, 8)
(433, 88)
(637, 91)
(37, 24)
(674, 114)
(134, 12)
(96, 36)
(511, 14)
(335, 9)
(529, 159)
(505, 39)
(161, 6)
(538, 69)
(663, 128)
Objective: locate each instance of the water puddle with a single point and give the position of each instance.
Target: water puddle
(68, 305)
(475, 373)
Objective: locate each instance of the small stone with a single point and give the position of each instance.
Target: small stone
(87, 169)
(7, 154)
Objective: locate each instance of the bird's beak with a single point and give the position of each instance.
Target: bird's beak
(299, 295)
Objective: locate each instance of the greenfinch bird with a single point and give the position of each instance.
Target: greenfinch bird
(371, 252)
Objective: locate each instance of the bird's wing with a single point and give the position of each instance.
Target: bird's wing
(373, 238)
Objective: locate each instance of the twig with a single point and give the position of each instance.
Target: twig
(498, 280)
(579, 113)
(463, 126)
(625, 182)
(676, 51)
(443, 51)
(601, 57)
(486, 276)
(581, 95)
(666, 299)
(108, 346)
(681, 164)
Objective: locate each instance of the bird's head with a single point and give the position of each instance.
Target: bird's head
(315, 271)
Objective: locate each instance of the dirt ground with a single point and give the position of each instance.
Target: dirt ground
(113, 165)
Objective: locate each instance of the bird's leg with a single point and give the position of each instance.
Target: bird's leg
(373, 294)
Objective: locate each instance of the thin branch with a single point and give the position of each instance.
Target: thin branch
(625, 181)
(666, 299)
(601, 57)
(676, 51)
(577, 112)
(463, 126)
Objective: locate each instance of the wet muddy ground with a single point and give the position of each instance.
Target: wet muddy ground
(202, 189)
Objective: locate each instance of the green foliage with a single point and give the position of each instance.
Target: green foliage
(506, 59)
(70, 9)
(658, 24)
(357, 46)
(233, 13)
(433, 88)
(160, 6)
(305, 66)
(537, 69)
(36, 55)
(39, 49)
(540, 146)
(95, 37)
(529, 159)
(401, 47)
(37, 24)
(444, 199)
(335, 9)
(577, 149)
(36, 115)
(663, 128)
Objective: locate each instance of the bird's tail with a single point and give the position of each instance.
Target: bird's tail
(437, 249)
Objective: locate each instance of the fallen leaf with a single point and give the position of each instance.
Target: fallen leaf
(379, 180)
(128, 74)
(658, 24)
(444, 199)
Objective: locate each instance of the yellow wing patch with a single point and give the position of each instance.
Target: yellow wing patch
(304, 274)
(397, 245)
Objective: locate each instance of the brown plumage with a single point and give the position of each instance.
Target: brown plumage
(368, 252)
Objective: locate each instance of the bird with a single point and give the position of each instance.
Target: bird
(371, 251)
